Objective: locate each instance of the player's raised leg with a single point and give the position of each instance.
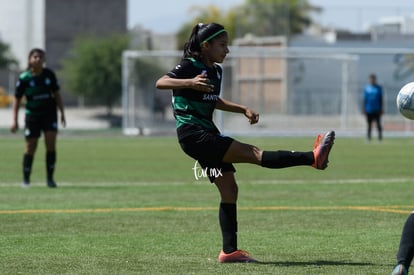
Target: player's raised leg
(318, 158)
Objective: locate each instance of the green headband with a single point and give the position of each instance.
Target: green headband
(212, 36)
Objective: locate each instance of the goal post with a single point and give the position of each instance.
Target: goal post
(297, 91)
(144, 108)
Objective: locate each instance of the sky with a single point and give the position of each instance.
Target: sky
(166, 16)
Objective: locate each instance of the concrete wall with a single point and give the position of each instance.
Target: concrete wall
(65, 20)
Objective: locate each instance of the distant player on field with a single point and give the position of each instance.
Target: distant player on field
(373, 105)
(196, 82)
(40, 88)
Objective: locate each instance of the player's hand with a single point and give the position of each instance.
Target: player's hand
(252, 116)
(14, 127)
(63, 120)
(202, 83)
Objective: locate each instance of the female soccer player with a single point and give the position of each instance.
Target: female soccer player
(406, 248)
(41, 89)
(196, 85)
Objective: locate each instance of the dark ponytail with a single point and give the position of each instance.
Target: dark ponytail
(201, 33)
(192, 48)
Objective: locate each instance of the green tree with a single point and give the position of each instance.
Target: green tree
(6, 58)
(274, 17)
(257, 17)
(94, 69)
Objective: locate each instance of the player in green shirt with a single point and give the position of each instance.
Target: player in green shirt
(39, 86)
(196, 85)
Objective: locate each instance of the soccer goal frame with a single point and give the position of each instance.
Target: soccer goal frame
(295, 90)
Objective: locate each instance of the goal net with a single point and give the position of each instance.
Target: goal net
(296, 91)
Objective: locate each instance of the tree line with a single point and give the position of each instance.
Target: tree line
(93, 67)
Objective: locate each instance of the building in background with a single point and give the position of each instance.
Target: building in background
(22, 26)
(66, 20)
(54, 24)
(261, 82)
(143, 39)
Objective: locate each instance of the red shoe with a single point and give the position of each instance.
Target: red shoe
(238, 256)
(321, 149)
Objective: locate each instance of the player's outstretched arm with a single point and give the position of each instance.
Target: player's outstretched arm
(199, 83)
(228, 106)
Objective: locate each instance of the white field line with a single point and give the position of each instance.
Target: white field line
(240, 181)
(398, 209)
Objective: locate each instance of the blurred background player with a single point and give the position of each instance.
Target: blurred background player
(40, 88)
(373, 106)
(196, 84)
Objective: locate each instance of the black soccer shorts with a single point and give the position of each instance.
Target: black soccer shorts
(208, 148)
(34, 125)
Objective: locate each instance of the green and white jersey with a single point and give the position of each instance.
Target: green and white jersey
(192, 107)
(39, 92)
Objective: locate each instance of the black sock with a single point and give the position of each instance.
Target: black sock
(50, 164)
(283, 159)
(27, 167)
(228, 225)
(406, 249)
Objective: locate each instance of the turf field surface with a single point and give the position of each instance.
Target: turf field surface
(133, 206)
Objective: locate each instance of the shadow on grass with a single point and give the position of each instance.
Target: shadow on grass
(315, 263)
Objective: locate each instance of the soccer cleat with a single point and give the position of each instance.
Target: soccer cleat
(51, 184)
(238, 256)
(399, 270)
(321, 149)
(25, 184)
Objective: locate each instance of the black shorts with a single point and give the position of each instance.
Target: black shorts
(36, 124)
(373, 117)
(208, 148)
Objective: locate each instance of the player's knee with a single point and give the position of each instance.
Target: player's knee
(257, 153)
(228, 187)
(31, 148)
(230, 196)
(232, 190)
(235, 190)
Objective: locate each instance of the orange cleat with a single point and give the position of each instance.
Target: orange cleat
(321, 149)
(399, 270)
(238, 256)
